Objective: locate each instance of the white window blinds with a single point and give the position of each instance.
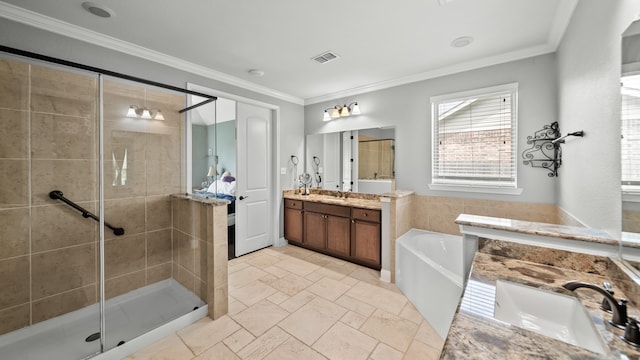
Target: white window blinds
(474, 137)
(630, 142)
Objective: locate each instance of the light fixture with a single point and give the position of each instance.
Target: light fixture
(461, 41)
(98, 9)
(144, 113)
(341, 111)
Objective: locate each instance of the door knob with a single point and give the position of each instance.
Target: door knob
(243, 197)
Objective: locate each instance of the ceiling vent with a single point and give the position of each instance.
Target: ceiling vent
(325, 57)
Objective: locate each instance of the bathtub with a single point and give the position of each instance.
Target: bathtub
(429, 271)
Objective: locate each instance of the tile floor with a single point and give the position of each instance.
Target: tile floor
(291, 303)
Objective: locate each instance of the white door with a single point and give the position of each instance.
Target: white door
(332, 161)
(347, 162)
(253, 202)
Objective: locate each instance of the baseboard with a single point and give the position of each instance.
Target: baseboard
(385, 275)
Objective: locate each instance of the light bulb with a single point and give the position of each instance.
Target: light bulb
(132, 112)
(146, 114)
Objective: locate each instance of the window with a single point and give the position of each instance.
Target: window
(630, 141)
(474, 138)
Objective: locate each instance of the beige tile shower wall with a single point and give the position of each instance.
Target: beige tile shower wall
(142, 168)
(190, 245)
(48, 140)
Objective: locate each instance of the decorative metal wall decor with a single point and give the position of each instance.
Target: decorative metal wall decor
(545, 151)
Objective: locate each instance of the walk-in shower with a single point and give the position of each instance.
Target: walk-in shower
(72, 152)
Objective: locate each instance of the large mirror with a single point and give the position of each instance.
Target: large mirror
(358, 161)
(630, 141)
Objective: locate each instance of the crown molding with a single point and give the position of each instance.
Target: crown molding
(50, 24)
(447, 70)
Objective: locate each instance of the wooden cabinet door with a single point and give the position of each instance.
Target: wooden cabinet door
(293, 225)
(365, 241)
(339, 235)
(315, 230)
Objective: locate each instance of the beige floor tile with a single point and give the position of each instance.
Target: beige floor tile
(344, 342)
(293, 349)
(390, 329)
(386, 352)
(218, 352)
(263, 345)
(310, 321)
(235, 306)
(420, 351)
(252, 293)
(238, 340)
(349, 281)
(358, 306)
(296, 266)
(314, 276)
(324, 272)
(295, 252)
(353, 319)
(260, 317)
(297, 301)
(289, 284)
(342, 268)
(263, 260)
(276, 271)
(384, 299)
(428, 335)
(245, 276)
(410, 313)
(206, 333)
(328, 288)
(169, 348)
(278, 298)
(237, 266)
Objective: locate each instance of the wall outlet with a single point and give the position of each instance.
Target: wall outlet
(320, 169)
(283, 171)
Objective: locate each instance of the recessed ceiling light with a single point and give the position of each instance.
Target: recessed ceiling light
(444, 2)
(256, 72)
(98, 10)
(462, 41)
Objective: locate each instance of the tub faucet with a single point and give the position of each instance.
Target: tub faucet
(619, 318)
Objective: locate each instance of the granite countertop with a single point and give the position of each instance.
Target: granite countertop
(202, 199)
(535, 228)
(365, 201)
(475, 334)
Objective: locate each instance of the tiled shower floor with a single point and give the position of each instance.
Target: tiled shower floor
(127, 316)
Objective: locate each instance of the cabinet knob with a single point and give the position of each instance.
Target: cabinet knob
(365, 214)
(353, 221)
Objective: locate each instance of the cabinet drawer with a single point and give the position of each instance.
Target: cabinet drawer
(293, 204)
(328, 209)
(366, 214)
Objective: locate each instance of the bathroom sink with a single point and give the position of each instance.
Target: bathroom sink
(547, 313)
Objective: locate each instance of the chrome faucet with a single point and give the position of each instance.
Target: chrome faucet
(619, 318)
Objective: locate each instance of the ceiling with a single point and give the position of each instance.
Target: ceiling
(380, 43)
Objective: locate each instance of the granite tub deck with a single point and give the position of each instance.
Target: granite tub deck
(476, 336)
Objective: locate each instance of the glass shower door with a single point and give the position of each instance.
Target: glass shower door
(49, 251)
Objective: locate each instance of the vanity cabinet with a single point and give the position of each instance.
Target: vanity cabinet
(293, 220)
(365, 236)
(352, 234)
